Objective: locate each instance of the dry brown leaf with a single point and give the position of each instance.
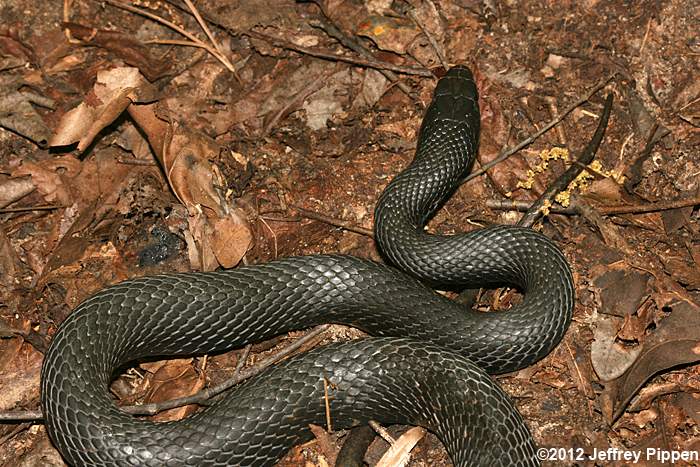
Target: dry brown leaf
(66, 268)
(15, 188)
(42, 453)
(389, 33)
(9, 262)
(421, 49)
(18, 114)
(213, 240)
(609, 357)
(494, 137)
(50, 177)
(619, 288)
(682, 269)
(326, 443)
(217, 237)
(231, 239)
(124, 46)
(20, 368)
(133, 141)
(374, 85)
(675, 342)
(186, 162)
(172, 380)
(114, 90)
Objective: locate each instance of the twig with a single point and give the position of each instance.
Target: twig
(634, 171)
(509, 152)
(274, 235)
(205, 395)
(311, 338)
(212, 48)
(333, 31)
(21, 416)
(67, 5)
(369, 62)
(523, 206)
(381, 431)
(203, 25)
(43, 207)
(242, 359)
(327, 403)
(331, 221)
(650, 207)
(609, 210)
(561, 183)
(364, 62)
(295, 101)
(611, 233)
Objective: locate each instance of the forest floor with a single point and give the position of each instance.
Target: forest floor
(125, 151)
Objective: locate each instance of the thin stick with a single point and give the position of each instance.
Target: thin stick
(651, 207)
(205, 395)
(363, 62)
(46, 207)
(332, 30)
(563, 181)
(509, 152)
(21, 416)
(155, 18)
(242, 359)
(200, 45)
(195, 40)
(326, 400)
(203, 25)
(368, 61)
(381, 431)
(609, 210)
(335, 222)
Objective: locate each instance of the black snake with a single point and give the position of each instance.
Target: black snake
(424, 366)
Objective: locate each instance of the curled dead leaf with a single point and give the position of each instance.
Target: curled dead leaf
(193, 178)
(172, 380)
(218, 234)
(675, 342)
(114, 90)
(610, 358)
(49, 177)
(231, 239)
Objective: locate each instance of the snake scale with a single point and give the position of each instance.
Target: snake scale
(426, 363)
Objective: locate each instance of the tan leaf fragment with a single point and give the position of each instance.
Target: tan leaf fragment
(15, 188)
(172, 380)
(399, 453)
(216, 237)
(231, 239)
(114, 90)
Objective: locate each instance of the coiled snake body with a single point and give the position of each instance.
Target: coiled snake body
(425, 365)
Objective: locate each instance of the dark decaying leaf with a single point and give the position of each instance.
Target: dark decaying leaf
(675, 342)
(219, 232)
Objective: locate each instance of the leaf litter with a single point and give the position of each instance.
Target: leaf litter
(152, 144)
